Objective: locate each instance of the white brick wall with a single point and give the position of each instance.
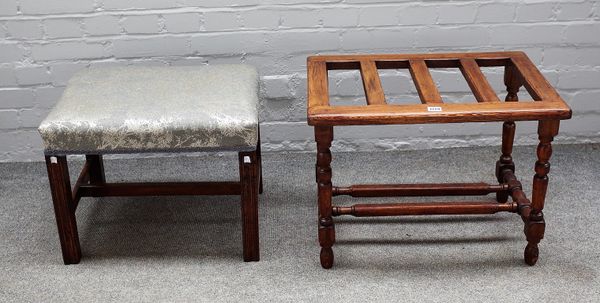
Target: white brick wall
(42, 43)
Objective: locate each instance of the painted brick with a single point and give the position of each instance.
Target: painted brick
(300, 18)
(570, 56)
(266, 19)
(136, 4)
(16, 98)
(449, 80)
(580, 125)
(583, 33)
(229, 43)
(291, 42)
(222, 3)
(418, 14)
(526, 34)
(396, 83)
(102, 25)
(3, 30)
(182, 23)
(532, 12)
(46, 97)
(56, 6)
(30, 118)
(63, 28)
(277, 87)
(189, 61)
(9, 119)
(163, 46)
(380, 39)
(7, 77)
(60, 73)
(574, 11)
(68, 50)
(586, 101)
(452, 14)
(24, 29)
(345, 84)
(496, 13)
(32, 75)
(344, 17)
(141, 24)
(25, 144)
(578, 79)
(11, 53)
(452, 36)
(216, 21)
(378, 16)
(8, 7)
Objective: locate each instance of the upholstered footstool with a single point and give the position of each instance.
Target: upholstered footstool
(153, 109)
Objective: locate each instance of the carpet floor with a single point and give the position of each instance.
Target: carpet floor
(188, 249)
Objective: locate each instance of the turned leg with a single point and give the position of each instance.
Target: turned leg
(534, 227)
(64, 211)
(323, 137)
(249, 175)
(96, 168)
(513, 81)
(506, 160)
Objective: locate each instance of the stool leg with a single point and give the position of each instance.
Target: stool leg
(249, 171)
(60, 186)
(506, 160)
(96, 168)
(535, 225)
(323, 137)
(260, 171)
(513, 81)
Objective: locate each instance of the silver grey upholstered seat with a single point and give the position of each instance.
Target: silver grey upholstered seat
(146, 109)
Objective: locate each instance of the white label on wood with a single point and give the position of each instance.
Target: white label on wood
(434, 109)
(247, 159)
(53, 160)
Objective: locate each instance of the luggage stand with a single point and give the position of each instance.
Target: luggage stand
(547, 107)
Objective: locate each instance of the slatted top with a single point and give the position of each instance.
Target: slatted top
(519, 70)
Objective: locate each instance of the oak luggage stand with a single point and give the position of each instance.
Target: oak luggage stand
(153, 109)
(547, 107)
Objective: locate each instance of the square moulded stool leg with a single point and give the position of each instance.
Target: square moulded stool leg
(546, 107)
(196, 109)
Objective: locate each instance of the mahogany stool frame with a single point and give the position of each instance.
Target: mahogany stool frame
(547, 107)
(92, 183)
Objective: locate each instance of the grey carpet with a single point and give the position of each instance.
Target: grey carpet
(183, 249)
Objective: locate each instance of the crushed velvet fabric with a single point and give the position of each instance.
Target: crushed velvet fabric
(145, 109)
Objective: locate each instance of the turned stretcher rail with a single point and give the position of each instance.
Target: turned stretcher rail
(517, 194)
(425, 208)
(396, 190)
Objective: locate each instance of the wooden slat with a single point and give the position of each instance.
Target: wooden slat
(318, 83)
(477, 82)
(449, 113)
(428, 92)
(535, 83)
(371, 82)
